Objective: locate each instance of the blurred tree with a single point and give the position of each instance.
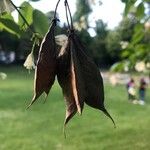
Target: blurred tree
(99, 50)
(22, 33)
(113, 45)
(82, 13)
(138, 47)
(96, 45)
(9, 42)
(129, 41)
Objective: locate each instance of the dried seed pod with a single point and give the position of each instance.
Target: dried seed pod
(64, 79)
(91, 76)
(46, 65)
(80, 79)
(69, 78)
(77, 80)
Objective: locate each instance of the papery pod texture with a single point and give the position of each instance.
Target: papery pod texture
(64, 79)
(77, 80)
(46, 65)
(93, 82)
(80, 79)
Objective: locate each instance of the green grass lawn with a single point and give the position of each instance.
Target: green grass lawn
(41, 126)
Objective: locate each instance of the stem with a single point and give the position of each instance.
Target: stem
(70, 15)
(33, 46)
(67, 14)
(56, 9)
(21, 16)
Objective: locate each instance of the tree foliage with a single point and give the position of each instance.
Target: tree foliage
(138, 46)
(126, 44)
(82, 13)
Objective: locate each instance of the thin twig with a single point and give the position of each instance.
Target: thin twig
(33, 46)
(70, 15)
(21, 16)
(65, 3)
(56, 9)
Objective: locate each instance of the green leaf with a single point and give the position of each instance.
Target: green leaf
(138, 27)
(140, 11)
(7, 16)
(141, 51)
(40, 22)
(128, 6)
(10, 26)
(117, 67)
(138, 34)
(125, 53)
(27, 11)
(124, 1)
(148, 1)
(137, 37)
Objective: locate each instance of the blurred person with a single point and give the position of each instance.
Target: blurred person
(131, 91)
(142, 91)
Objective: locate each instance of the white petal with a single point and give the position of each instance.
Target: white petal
(29, 62)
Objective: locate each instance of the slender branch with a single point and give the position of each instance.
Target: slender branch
(56, 9)
(33, 46)
(65, 3)
(21, 16)
(69, 14)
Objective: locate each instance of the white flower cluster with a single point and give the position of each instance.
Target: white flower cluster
(140, 66)
(29, 63)
(124, 44)
(81, 24)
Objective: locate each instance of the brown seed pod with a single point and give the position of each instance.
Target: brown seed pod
(91, 76)
(69, 78)
(77, 80)
(46, 65)
(64, 79)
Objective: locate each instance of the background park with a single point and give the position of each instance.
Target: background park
(120, 53)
